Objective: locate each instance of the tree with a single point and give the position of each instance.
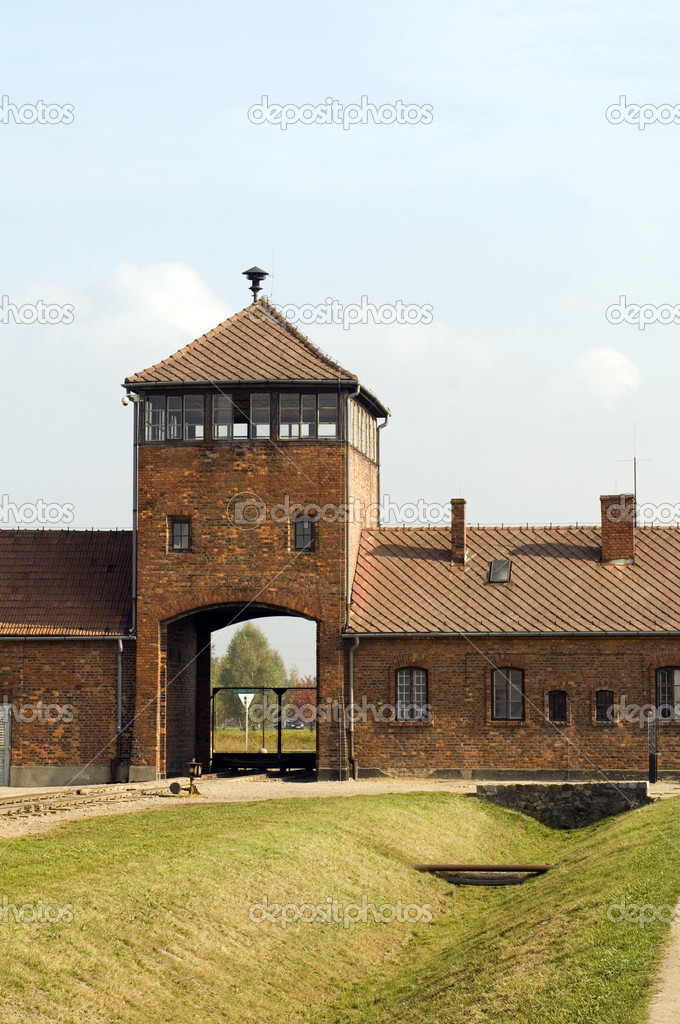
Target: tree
(301, 697)
(250, 663)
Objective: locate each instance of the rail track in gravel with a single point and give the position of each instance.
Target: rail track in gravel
(43, 804)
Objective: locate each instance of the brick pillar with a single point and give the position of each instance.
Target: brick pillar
(458, 531)
(618, 527)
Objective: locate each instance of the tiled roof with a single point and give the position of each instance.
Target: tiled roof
(405, 582)
(65, 582)
(257, 344)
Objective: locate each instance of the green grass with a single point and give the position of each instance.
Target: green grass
(161, 932)
(232, 740)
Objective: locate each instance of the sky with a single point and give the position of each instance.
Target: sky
(517, 212)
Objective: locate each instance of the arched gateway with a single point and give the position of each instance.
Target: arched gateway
(256, 462)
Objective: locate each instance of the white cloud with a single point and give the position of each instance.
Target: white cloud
(608, 374)
(171, 294)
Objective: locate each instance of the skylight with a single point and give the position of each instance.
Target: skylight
(499, 570)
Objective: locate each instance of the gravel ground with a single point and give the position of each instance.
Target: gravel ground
(241, 789)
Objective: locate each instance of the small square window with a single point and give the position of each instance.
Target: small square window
(180, 536)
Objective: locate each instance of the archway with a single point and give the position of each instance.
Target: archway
(201, 714)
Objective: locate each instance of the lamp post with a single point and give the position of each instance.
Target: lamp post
(194, 771)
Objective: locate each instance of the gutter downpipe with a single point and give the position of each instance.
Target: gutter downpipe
(137, 408)
(119, 695)
(348, 564)
(354, 767)
(347, 496)
(380, 426)
(117, 761)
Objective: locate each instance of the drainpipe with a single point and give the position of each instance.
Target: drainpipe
(119, 705)
(354, 767)
(380, 426)
(348, 563)
(117, 761)
(137, 411)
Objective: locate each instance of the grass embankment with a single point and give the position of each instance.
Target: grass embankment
(161, 932)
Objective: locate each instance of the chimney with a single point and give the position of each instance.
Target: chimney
(618, 527)
(458, 531)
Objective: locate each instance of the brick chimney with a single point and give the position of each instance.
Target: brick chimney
(458, 531)
(618, 527)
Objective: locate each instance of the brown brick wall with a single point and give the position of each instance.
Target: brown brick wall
(80, 678)
(618, 526)
(229, 565)
(462, 735)
(363, 487)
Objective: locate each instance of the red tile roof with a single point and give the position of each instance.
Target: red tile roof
(65, 582)
(257, 344)
(405, 582)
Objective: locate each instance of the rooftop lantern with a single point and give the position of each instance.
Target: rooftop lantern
(255, 276)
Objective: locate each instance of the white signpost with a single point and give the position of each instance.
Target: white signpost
(245, 699)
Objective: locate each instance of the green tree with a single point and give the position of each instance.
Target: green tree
(248, 664)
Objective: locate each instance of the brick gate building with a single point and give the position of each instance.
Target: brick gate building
(475, 652)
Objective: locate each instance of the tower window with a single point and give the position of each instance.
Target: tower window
(260, 415)
(174, 418)
(304, 534)
(308, 416)
(154, 409)
(180, 534)
(222, 418)
(289, 416)
(328, 415)
(194, 412)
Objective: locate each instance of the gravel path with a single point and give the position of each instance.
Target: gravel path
(242, 789)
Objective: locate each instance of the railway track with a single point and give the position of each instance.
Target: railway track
(42, 804)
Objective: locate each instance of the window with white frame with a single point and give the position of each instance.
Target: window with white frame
(412, 703)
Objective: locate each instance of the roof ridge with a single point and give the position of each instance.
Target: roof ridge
(188, 352)
(275, 314)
